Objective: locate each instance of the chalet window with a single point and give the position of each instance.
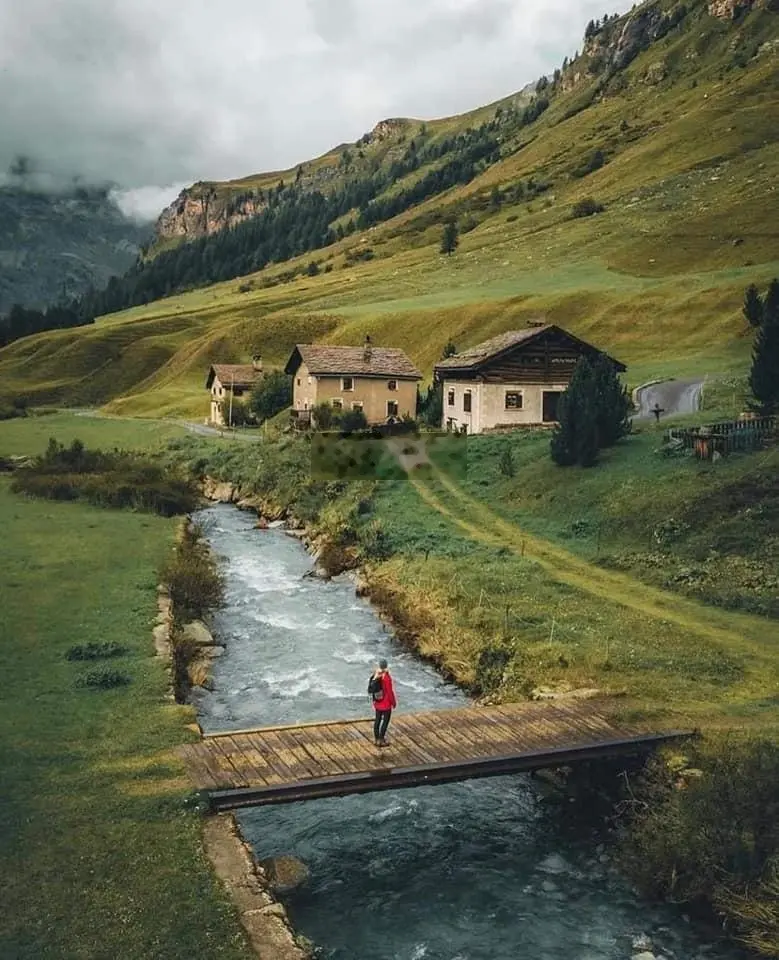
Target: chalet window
(337, 403)
(392, 385)
(450, 398)
(347, 384)
(514, 400)
(356, 404)
(392, 408)
(467, 401)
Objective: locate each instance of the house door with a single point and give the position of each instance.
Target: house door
(550, 400)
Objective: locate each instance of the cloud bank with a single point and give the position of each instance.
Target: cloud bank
(156, 93)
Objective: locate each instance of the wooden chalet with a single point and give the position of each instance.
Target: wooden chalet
(512, 380)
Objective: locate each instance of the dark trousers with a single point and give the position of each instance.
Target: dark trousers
(381, 723)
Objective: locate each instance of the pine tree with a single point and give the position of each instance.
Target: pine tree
(764, 375)
(753, 306)
(613, 404)
(771, 301)
(575, 439)
(449, 350)
(450, 239)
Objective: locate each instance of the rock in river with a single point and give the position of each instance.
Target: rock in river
(285, 873)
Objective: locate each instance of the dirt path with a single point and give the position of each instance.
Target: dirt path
(750, 635)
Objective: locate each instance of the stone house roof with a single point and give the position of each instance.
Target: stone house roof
(241, 375)
(352, 361)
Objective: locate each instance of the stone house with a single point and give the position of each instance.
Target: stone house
(228, 381)
(512, 380)
(380, 381)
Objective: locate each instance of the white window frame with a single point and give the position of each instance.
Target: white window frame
(396, 405)
(514, 393)
(468, 407)
(350, 381)
(357, 405)
(337, 403)
(450, 397)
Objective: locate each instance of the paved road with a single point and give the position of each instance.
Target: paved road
(674, 397)
(201, 429)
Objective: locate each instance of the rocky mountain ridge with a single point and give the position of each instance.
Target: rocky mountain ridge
(609, 48)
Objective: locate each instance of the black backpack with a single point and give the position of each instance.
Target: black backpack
(376, 688)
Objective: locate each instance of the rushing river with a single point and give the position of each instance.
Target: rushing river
(475, 871)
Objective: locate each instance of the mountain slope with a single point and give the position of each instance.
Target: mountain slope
(56, 246)
(669, 121)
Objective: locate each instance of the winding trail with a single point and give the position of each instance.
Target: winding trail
(741, 632)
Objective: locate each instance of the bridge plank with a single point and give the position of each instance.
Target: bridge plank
(285, 764)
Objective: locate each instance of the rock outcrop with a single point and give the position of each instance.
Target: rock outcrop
(200, 211)
(733, 9)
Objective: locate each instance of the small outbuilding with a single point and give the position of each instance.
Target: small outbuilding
(512, 380)
(228, 381)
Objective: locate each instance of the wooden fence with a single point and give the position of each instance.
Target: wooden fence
(724, 437)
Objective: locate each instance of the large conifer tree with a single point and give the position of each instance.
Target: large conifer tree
(613, 405)
(764, 375)
(575, 439)
(753, 306)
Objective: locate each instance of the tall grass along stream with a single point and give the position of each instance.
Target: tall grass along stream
(484, 870)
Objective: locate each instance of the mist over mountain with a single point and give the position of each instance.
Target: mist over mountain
(57, 241)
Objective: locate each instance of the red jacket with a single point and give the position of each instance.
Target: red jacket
(388, 701)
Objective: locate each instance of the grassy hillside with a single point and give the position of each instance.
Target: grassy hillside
(687, 137)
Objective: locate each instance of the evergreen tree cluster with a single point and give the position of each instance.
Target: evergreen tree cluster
(764, 374)
(23, 322)
(462, 168)
(593, 413)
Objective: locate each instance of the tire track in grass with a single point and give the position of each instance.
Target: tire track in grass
(750, 636)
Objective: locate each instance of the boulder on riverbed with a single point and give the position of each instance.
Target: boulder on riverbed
(199, 634)
(218, 491)
(285, 873)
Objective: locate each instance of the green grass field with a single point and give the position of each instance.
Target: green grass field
(99, 839)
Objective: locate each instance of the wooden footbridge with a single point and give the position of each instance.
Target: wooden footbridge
(309, 761)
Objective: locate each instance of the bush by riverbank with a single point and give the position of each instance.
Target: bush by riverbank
(116, 479)
(196, 588)
(704, 830)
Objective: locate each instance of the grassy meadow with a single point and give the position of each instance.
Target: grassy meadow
(99, 838)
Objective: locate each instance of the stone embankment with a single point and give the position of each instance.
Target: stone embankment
(250, 886)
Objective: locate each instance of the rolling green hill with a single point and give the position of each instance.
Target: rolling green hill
(669, 119)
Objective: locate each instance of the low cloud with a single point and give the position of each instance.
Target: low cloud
(146, 94)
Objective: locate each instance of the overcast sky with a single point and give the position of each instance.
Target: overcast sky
(155, 94)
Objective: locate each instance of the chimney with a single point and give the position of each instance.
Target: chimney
(367, 352)
(257, 363)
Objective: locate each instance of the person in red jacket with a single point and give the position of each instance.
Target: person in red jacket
(384, 703)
